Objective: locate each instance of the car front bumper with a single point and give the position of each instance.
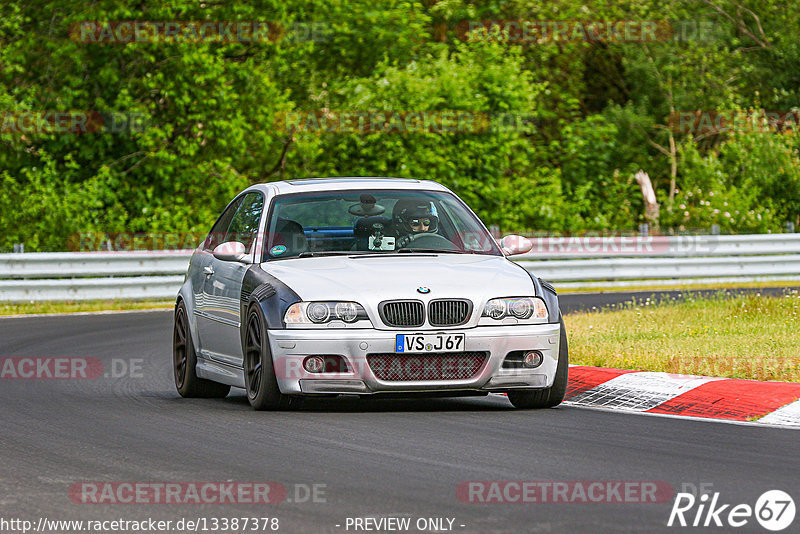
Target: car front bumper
(291, 347)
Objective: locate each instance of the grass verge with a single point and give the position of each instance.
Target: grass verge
(564, 290)
(27, 308)
(751, 336)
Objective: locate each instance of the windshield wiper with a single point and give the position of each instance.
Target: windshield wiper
(431, 251)
(319, 253)
(331, 253)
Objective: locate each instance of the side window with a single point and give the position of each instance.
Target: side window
(244, 225)
(217, 234)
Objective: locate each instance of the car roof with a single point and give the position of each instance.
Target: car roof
(347, 183)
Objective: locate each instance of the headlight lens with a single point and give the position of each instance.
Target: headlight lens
(319, 313)
(522, 308)
(346, 311)
(496, 309)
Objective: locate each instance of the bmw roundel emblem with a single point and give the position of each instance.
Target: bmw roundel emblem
(424, 290)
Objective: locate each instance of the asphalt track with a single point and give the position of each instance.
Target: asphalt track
(378, 458)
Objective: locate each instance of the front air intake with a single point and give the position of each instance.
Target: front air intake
(402, 313)
(393, 367)
(449, 312)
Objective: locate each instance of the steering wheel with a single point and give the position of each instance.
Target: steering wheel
(429, 240)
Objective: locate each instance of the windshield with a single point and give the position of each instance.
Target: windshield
(373, 222)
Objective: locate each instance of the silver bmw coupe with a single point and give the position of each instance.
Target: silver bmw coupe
(363, 286)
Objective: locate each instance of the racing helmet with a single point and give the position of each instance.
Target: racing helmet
(410, 214)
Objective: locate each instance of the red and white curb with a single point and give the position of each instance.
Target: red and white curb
(767, 403)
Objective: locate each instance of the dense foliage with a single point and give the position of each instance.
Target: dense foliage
(206, 119)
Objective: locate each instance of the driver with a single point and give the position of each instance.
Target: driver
(411, 217)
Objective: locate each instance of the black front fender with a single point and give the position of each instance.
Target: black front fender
(260, 288)
(548, 293)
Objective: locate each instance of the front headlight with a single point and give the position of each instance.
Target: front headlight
(324, 313)
(530, 309)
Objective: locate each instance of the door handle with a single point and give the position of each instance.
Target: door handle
(209, 270)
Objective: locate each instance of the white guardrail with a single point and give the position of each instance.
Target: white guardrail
(564, 261)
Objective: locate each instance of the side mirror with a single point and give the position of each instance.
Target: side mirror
(511, 245)
(230, 251)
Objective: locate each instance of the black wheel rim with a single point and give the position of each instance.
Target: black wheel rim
(179, 350)
(252, 358)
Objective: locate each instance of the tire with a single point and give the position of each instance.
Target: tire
(259, 371)
(552, 396)
(184, 362)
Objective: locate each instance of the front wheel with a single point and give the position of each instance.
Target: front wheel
(552, 396)
(259, 370)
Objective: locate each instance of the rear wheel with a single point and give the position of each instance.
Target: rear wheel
(259, 370)
(184, 362)
(552, 396)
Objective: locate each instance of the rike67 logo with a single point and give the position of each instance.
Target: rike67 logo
(774, 510)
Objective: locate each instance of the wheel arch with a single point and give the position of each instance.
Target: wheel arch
(185, 295)
(272, 296)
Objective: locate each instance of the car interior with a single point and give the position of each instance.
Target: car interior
(372, 229)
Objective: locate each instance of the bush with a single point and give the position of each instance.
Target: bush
(750, 183)
(498, 172)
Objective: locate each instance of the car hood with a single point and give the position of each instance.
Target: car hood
(370, 279)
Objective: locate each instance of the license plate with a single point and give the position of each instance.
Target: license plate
(429, 343)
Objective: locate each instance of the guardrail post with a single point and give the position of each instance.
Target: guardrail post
(19, 248)
(789, 227)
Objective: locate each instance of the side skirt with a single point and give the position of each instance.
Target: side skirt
(220, 372)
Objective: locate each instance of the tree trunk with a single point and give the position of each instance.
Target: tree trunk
(673, 167)
(649, 194)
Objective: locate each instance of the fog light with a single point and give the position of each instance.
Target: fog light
(314, 364)
(532, 358)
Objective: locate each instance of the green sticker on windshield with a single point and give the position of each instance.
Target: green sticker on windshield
(277, 250)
